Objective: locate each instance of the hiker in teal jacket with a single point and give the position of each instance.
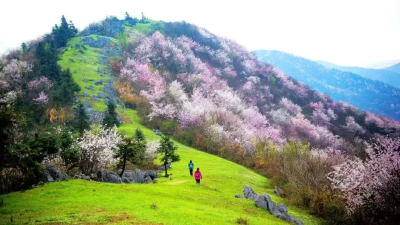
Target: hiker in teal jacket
(191, 166)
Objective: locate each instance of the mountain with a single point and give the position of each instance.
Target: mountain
(180, 80)
(344, 86)
(395, 68)
(388, 76)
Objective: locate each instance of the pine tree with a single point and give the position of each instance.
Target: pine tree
(131, 149)
(110, 116)
(81, 121)
(167, 149)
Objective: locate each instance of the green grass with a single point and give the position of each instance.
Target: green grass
(177, 201)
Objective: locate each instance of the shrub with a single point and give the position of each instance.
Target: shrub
(242, 220)
(154, 205)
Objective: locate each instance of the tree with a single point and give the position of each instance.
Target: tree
(110, 116)
(81, 120)
(97, 148)
(63, 32)
(167, 149)
(131, 149)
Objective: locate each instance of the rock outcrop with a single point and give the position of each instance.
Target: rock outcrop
(52, 173)
(138, 176)
(108, 176)
(249, 193)
(264, 201)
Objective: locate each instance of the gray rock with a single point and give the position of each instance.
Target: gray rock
(264, 201)
(150, 173)
(87, 105)
(93, 176)
(51, 173)
(239, 196)
(147, 180)
(289, 218)
(278, 191)
(99, 82)
(101, 95)
(133, 176)
(85, 93)
(249, 193)
(298, 222)
(108, 176)
(282, 208)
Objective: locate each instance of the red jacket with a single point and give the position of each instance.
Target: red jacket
(197, 175)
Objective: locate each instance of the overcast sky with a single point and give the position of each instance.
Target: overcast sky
(346, 32)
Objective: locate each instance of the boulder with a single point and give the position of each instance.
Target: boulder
(51, 173)
(133, 176)
(150, 173)
(264, 201)
(108, 176)
(249, 193)
(278, 191)
(282, 208)
(298, 222)
(239, 196)
(99, 82)
(148, 180)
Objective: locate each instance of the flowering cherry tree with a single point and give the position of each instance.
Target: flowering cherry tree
(97, 148)
(360, 181)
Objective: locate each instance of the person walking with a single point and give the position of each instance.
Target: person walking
(198, 176)
(191, 166)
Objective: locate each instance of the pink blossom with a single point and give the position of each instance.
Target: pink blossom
(42, 99)
(42, 82)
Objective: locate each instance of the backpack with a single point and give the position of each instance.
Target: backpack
(190, 165)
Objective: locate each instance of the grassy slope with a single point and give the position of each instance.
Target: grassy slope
(179, 201)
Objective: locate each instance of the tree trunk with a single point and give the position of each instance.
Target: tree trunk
(165, 166)
(123, 167)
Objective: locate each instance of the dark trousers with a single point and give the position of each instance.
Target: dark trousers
(198, 181)
(191, 172)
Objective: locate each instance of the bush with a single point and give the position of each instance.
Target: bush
(301, 172)
(242, 220)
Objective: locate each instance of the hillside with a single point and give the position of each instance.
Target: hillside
(64, 95)
(395, 68)
(179, 201)
(387, 75)
(344, 86)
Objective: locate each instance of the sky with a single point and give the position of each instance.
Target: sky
(360, 33)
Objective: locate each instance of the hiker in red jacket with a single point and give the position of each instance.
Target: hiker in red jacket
(198, 176)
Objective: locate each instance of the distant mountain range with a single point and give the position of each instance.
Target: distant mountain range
(366, 94)
(390, 75)
(394, 68)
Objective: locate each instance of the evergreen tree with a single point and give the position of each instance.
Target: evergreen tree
(131, 149)
(63, 32)
(110, 116)
(167, 149)
(81, 120)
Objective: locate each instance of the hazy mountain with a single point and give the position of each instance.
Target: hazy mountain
(367, 94)
(395, 68)
(389, 76)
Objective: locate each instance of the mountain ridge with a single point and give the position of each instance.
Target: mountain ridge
(391, 77)
(345, 86)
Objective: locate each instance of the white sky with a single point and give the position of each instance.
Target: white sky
(346, 32)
